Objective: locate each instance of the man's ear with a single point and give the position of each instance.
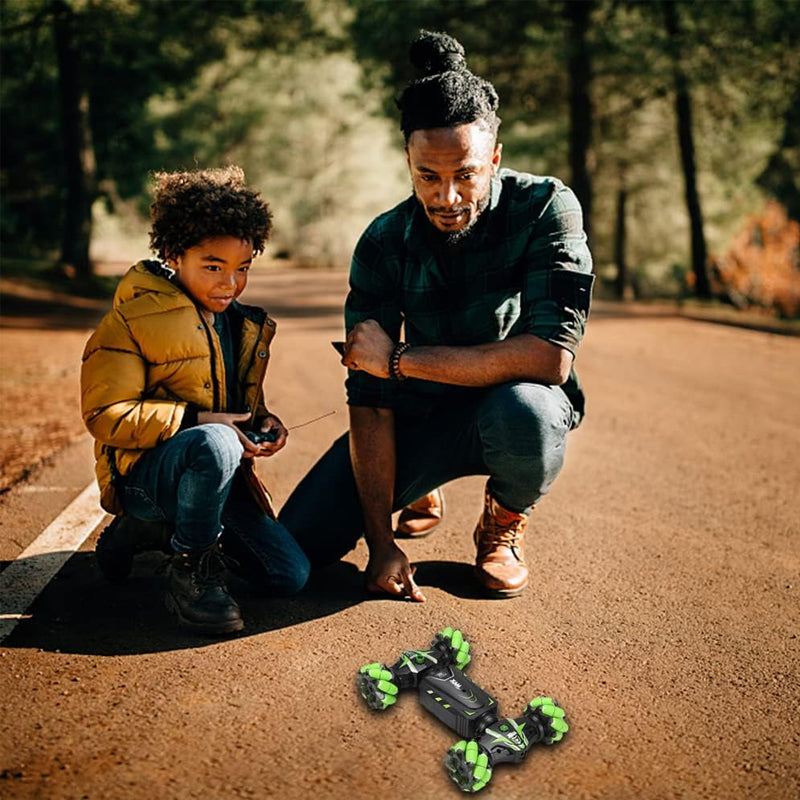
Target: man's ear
(496, 156)
(408, 157)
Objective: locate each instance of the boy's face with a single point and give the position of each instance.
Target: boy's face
(214, 272)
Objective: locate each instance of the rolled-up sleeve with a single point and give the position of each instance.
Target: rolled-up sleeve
(557, 284)
(374, 294)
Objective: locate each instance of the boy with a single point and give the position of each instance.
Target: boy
(170, 379)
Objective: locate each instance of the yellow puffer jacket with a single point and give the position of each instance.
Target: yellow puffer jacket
(154, 354)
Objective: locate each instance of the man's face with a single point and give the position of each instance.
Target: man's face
(214, 272)
(451, 172)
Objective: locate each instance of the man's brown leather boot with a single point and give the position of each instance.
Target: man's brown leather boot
(419, 518)
(499, 564)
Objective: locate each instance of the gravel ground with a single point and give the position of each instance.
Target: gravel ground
(663, 611)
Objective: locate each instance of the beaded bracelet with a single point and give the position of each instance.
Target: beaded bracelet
(394, 361)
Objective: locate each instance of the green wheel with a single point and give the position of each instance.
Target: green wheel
(468, 766)
(551, 717)
(457, 643)
(376, 686)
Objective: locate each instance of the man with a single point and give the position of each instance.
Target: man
(488, 272)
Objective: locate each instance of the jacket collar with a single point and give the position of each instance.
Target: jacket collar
(150, 275)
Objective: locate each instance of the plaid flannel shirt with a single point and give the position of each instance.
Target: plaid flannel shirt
(527, 269)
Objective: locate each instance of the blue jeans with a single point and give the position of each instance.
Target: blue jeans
(192, 482)
(515, 433)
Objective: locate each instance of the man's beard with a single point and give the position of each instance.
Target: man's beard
(459, 237)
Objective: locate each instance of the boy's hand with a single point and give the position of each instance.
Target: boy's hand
(271, 423)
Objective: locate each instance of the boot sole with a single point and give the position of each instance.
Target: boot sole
(207, 629)
(398, 534)
(503, 594)
(401, 533)
(500, 594)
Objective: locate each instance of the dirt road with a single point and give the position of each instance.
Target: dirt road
(664, 610)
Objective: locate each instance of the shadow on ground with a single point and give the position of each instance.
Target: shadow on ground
(715, 315)
(80, 612)
(453, 577)
(46, 314)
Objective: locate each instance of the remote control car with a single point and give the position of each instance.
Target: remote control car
(464, 706)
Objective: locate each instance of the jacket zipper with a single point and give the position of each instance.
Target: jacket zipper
(259, 345)
(214, 377)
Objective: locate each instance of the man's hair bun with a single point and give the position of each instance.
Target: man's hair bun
(447, 94)
(434, 53)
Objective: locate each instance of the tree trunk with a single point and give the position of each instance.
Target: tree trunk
(781, 176)
(577, 14)
(683, 112)
(79, 160)
(620, 241)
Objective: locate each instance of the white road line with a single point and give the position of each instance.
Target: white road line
(24, 578)
(43, 489)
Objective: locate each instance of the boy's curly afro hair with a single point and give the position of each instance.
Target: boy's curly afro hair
(189, 207)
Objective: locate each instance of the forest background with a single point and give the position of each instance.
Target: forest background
(677, 123)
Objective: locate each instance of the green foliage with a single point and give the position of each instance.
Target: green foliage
(317, 149)
(743, 67)
(301, 94)
(30, 173)
(131, 50)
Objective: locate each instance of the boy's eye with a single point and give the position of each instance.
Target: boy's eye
(427, 178)
(212, 267)
(245, 268)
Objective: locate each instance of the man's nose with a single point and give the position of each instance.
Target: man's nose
(448, 193)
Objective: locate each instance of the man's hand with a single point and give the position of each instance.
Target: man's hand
(518, 358)
(388, 570)
(368, 349)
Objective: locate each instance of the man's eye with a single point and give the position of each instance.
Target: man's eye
(467, 176)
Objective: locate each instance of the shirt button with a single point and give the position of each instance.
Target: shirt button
(206, 385)
(199, 327)
(262, 353)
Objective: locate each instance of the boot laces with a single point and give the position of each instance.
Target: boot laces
(495, 533)
(209, 567)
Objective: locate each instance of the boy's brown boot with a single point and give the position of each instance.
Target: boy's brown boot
(419, 518)
(499, 564)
